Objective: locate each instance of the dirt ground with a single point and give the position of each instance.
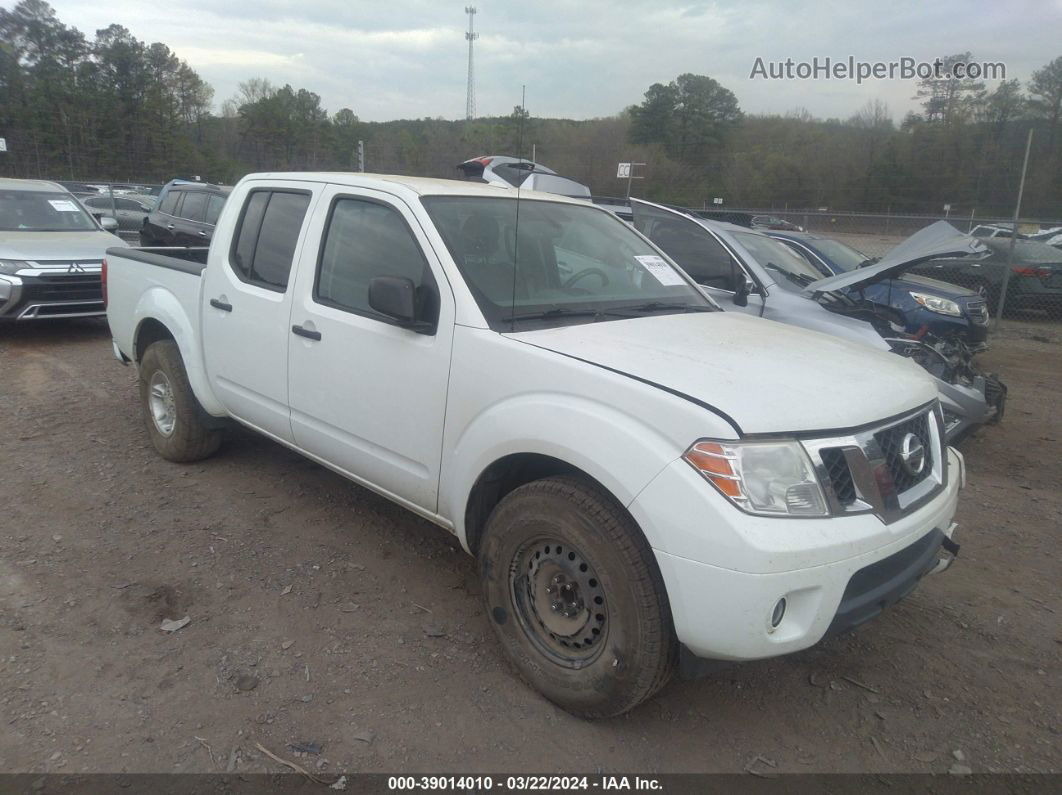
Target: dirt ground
(320, 613)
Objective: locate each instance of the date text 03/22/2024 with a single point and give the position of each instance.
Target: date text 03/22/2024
(528, 783)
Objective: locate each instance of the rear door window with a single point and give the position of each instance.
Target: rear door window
(266, 236)
(194, 206)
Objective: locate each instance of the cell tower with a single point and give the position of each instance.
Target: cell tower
(471, 36)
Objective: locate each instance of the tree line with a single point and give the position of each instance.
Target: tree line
(117, 109)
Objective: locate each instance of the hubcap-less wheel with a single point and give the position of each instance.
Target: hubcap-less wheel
(559, 601)
(160, 399)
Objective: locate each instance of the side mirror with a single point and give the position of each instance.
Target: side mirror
(393, 296)
(108, 223)
(744, 290)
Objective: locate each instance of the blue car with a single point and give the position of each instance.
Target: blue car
(921, 304)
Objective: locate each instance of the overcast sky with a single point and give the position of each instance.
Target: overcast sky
(578, 58)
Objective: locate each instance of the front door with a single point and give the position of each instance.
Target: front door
(367, 395)
(698, 252)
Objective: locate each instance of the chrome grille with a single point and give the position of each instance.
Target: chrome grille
(864, 471)
(891, 441)
(839, 475)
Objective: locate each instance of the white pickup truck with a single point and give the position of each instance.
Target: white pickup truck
(648, 482)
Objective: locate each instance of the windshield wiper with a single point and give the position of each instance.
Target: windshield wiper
(558, 311)
(659, 306)
(618, 311)
(796, 278)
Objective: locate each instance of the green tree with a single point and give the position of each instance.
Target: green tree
(1046, 90)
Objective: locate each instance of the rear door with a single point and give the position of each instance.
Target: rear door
(247, 292)
(367, 395)
(162, 222)
(188, 226)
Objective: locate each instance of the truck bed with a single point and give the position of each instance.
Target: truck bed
(162, 283)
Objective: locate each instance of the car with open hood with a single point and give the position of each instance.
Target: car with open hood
(748, 271)
(917, 302)
(51, 253)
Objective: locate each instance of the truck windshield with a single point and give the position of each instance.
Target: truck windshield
(529, 261)
(40, 211)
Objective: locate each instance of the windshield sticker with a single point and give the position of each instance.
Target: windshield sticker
(661, 270)
(63, 205)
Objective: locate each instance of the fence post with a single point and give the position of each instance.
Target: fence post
(1014, 231)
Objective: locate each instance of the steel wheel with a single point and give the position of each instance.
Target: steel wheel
(559, 601)
(161, 403)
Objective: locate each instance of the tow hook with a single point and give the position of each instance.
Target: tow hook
(949, 550)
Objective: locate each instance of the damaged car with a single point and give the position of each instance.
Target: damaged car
(758, 275)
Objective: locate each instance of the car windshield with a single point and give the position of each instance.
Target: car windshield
(844, 257)
(789, 270)
(41, 211)
(561, 263)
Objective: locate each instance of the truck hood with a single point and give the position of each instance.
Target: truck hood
(936, 240)
(765, 377)
(38, 246)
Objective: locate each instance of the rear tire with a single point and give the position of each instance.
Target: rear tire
(576, 598)
(175, 421)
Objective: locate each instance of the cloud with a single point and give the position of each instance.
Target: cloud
(407, 58)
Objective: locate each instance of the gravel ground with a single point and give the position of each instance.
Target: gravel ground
(320, 613)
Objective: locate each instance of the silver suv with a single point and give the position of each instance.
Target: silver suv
(51, 253)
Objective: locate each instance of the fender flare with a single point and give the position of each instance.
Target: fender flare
(618, 450)
(160, 305)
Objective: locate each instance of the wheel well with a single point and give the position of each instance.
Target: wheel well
(502, 477)
(150, 331)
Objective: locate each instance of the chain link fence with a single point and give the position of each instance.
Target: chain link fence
(1028, 292)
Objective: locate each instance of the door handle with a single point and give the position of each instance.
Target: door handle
(169, 226)
(214, 302)
(305, 332)
(202, 233)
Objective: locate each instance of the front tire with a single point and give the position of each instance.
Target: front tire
(576, 598)
(175, 421)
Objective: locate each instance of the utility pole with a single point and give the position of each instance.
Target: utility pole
(361, 155)
(1014, 230)
(471, 36)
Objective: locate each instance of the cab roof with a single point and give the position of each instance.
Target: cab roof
(421, 186)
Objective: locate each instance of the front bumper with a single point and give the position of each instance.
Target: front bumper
(722, 610)
(41, 294)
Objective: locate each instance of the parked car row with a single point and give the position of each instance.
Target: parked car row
(668, 443)
(768, 275)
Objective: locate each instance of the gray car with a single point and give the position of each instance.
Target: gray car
(755, 274)
(51, 253)
(129, 211)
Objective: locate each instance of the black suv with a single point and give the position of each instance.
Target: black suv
(184, 216)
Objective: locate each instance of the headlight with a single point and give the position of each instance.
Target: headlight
(12, 265)
(934, 303)
(766, 478)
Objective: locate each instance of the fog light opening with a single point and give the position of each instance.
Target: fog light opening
(778, 613)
